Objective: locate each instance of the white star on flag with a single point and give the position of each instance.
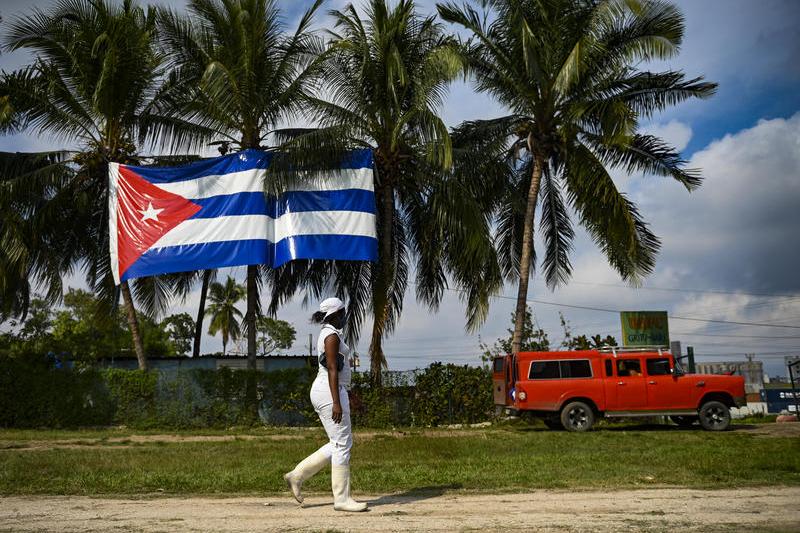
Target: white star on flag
(150, 213)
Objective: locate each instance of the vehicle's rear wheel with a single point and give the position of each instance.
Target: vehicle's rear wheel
(553, 423)
(715, 416)
(577, 416)
(684, 421)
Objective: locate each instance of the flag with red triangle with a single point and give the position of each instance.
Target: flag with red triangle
(214, 213)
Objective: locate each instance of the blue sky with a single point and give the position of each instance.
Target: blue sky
(729, 250)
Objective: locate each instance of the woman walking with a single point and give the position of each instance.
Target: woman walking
(330, 400)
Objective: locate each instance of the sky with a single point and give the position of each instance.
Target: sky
(729, 250)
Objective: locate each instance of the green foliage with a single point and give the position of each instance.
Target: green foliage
(387, 406)
(447, 394)
(534, 339)
(134, 395)
(386, 71)
(284, 396)
(180, 329)
(225, 316)
(210, 398)
(237, 71)
(274, 334)
(510, 459)
(96, 79)
(33, 393)
(583, 342)
(81, 331)
(569, 74)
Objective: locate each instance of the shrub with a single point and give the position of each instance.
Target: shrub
(33, 393)
(447, 394)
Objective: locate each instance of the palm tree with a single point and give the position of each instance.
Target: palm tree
(240, 75)
(224, 314)
(385, 79)
(567, 71)
(98, 82)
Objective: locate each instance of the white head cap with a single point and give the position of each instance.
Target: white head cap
(330, 306)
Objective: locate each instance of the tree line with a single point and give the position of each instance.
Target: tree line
(456, 208)
(77, 331)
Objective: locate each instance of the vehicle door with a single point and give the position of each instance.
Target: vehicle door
(665, 389)
(626, 391)
(500, 381)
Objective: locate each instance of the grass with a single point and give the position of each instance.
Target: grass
(511, 458)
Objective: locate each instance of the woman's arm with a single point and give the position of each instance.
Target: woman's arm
(331, 353)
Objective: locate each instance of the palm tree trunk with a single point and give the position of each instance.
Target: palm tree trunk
(201, 311)
(250, 318)
(527, 251)
(133, 324)
(382, 283)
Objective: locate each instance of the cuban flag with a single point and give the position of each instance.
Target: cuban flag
(214, 213)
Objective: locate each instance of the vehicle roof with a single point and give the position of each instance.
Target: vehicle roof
(591, 354)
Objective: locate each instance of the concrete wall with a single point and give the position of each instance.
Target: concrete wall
(752, 371)
(268, 363)
(754, 408)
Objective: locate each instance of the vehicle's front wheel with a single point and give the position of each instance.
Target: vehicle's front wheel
(577, 416)
(715, 416)
(684, 421)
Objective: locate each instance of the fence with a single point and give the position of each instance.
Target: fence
(33, 393)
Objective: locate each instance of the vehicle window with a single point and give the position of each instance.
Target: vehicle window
(544, 370)
(576, 369)
(629, 368)
(498, 364)
(609, 368)
(657, 367)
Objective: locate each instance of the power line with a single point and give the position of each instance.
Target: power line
(606, 310)
(734, 336)
(677, 289)
(674, 317)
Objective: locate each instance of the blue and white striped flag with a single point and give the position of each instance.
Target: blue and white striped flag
(214, 213)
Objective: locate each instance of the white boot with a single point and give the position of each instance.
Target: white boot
(340, 483)
(303, 471)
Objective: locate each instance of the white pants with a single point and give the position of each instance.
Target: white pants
(341, 434)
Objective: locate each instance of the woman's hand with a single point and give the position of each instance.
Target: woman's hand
(336, 415)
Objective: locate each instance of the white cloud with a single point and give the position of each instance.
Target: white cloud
(675, 132)
(740, 226)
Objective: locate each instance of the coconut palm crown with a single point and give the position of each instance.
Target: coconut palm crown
(97, 84)
(567, 70)
(385, 77)
(225, 315)
(242, 76)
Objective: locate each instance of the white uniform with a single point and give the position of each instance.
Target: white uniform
(340, 435)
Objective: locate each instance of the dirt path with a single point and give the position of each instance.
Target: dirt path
(756, 509)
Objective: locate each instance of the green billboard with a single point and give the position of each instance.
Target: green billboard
(645, 328)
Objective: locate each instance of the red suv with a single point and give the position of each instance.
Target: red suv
(572, 389)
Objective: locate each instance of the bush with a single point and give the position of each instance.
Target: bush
(384, 407)
(35, 394)
(448, 394)
(133, 393)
